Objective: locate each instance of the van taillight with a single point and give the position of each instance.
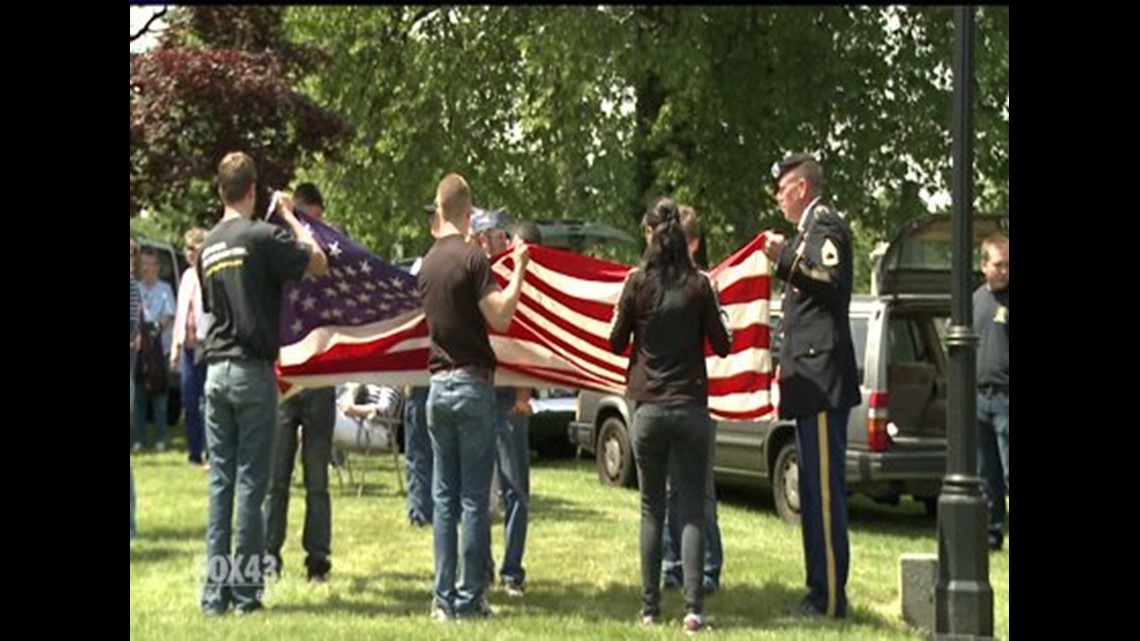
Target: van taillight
(877, 418)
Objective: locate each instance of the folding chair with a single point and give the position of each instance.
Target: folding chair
(368, 436)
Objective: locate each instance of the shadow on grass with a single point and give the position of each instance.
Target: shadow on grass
(164, 543)
(907, 520)
(553, 508)
(735, 607)
(152, 554)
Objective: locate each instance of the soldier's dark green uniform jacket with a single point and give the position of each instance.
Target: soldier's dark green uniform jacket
(817, 364)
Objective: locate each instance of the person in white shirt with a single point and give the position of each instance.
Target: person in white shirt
(184, 356)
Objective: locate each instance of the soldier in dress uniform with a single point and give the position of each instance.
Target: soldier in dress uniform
(818, 381)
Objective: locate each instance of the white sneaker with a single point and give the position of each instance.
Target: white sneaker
(514, 589)
(440, 613)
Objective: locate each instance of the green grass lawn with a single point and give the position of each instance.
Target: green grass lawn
(581, 559)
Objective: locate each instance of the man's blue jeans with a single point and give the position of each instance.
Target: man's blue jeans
(514, 483)
(461, 422)
(993, 454)
(417, 453)
(241, 415)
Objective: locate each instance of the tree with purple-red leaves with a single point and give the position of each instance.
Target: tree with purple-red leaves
(222, 79)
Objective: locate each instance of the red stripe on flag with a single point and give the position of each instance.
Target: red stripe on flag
(521, 327)
(746, 290)
(739, 383)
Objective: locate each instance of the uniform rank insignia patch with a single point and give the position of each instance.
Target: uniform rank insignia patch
(830, 253)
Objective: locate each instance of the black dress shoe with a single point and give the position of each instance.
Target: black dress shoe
(806, 610)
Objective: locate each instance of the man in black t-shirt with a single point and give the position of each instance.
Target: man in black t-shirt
(243, 264)
(461, 299)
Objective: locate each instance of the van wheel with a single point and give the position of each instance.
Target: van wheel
(786, 483)
(614, 454)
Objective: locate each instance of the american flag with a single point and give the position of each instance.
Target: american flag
(364, 323)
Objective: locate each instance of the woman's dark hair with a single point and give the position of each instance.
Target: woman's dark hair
(666, 264)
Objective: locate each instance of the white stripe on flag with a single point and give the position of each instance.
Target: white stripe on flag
(321, 339)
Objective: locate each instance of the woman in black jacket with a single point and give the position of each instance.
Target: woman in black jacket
(670, 308)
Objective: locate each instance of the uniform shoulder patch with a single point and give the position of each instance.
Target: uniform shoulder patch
(829, 253)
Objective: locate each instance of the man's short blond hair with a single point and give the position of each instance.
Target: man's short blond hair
(236, 176)
(453, 198)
